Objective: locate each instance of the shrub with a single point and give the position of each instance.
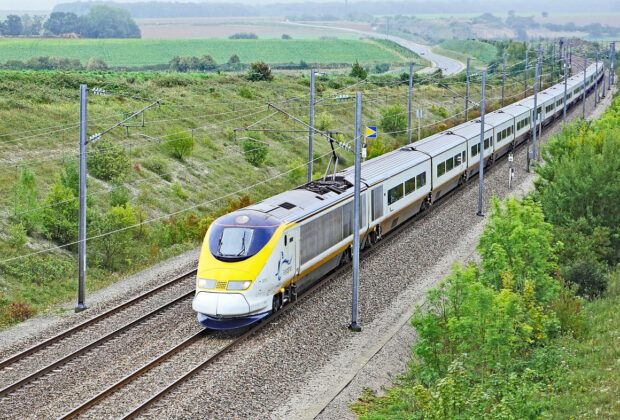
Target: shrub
(286, 36)
(70, 176)
(393, 119)
(243, 35)
(323, 121)
(178, 190)
(254, 151)
(96, 64)
(383, 67)
(297, 172)
(115, 248)
(244, 92)
(588, 276)
(60, 219)
(375, 148)
(358, 71)
(17, 311)
(259, 71)
(179, 145)
(119, 196)
(159, 166)
(16, 235)
(25, 197)
(108, 162)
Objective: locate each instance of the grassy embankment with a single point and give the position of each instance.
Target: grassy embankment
(145, 176)
(134, 53)
(533, 330)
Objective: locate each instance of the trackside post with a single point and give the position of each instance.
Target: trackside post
(410, 100)
(81, 305)
(311, 129)
(354, 326)
(481, 164)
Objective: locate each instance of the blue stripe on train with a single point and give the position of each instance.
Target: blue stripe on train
(230, 323)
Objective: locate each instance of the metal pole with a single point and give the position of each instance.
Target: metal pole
(410, 100)
(467, 93)
(570, 56)
(81, 305)
(481, 164)
(354, 326)
(311, 129)
(596, 79)
(535, 122)
(560, 58)
(613, 63)
(503, 78)
(609, 82)
(553, 62)
(525, 74)
(419, 124)
(565, 83)
(583, 102)
(541, 59)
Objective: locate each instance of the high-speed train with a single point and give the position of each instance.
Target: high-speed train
(256, 259)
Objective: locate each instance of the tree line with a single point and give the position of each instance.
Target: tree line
(99, 22)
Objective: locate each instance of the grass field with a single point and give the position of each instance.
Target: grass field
(477, 50)
(144, 52)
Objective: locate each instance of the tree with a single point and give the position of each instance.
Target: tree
(259, 71)
(393, 119)
(207, 63)
(109, 22)
(254, 151)
(32, 24)
(60, 216)
(12, 26)
(286, 36)
(358, 71)
(108, 162)
(62, 23)
(111, 249)
(179, 145)
(96, 64)
(234, 63)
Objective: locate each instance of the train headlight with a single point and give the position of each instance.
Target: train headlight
(238, 285)
(206, 283)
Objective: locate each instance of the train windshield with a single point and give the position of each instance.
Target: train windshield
(240, 235)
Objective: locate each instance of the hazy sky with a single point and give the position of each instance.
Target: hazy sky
(49, 4)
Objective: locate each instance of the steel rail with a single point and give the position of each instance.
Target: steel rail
(88, 347)
(18, 356)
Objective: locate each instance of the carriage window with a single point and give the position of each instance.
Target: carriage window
(449, 164)
(475, 149)
(395, 194)
(421, 179)
(457, 160)
(409, 186)
(463, 156)
(441, 169)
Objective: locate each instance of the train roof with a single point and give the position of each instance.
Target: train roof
(387, 165)
(438, 143)
(308, 199)
(471, 128)
(515, 109)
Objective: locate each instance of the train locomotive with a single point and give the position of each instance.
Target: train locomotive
(256, 259)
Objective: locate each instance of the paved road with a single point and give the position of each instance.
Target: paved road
(446, 64)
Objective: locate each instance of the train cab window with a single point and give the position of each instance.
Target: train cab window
(421, 179)
(409, 186)
(395, 194)
(240, 235)
(449, 164)
(441, 169)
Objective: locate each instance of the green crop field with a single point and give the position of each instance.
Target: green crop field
(477, 50)
(144, 52)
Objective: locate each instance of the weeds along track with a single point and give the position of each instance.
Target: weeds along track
(50, 354)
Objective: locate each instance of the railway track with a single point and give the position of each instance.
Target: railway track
(23, 356)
